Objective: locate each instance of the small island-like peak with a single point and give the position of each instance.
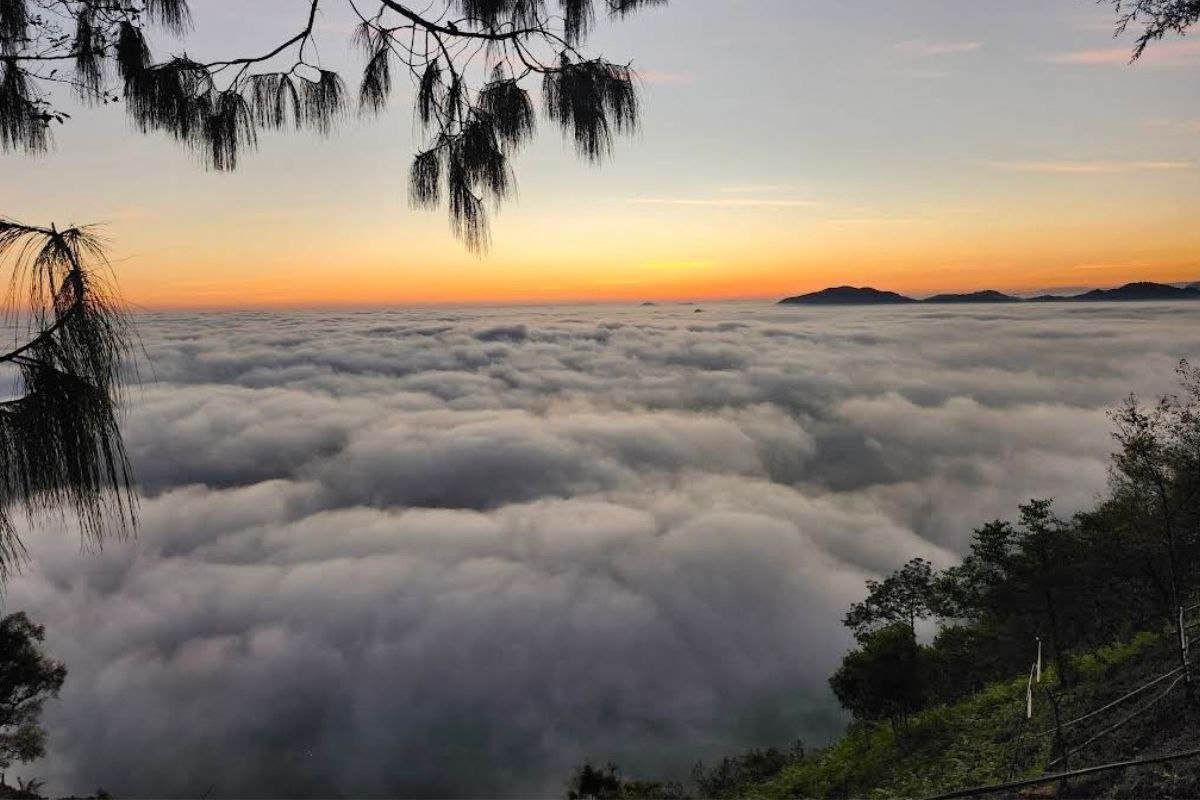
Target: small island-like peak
(848, 295)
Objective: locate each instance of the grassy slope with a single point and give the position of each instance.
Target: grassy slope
(986, 739)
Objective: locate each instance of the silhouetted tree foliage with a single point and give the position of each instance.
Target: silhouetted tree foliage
(595, 783)
(470, 61)
(905, 596)
(729, 777)
(959, 662)
(1156, 18)
(1014, 580)
(605, 783)
(60, 446)
(1156, 481)
(28, 677)
(885, 678)
(1124, 566)
(26, 789)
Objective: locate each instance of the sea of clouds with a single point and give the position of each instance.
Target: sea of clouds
(458, 552)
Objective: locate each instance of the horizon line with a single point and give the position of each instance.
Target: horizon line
(533, 302)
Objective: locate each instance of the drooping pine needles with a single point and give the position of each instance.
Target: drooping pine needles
(60, 443)
(468, 60)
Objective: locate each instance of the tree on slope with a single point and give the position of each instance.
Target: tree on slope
(885, 678)
(28, 677)
(1155, 478)
(906, 596)
(1021, 583)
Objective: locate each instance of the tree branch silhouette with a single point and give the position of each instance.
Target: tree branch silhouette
(60, 444)
(1158, 18)
(469, 60)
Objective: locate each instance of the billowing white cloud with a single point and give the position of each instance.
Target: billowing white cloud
(441, 552)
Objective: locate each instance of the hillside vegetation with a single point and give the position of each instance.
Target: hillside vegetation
(985, 739)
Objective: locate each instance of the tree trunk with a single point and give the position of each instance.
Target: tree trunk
(1060, 657)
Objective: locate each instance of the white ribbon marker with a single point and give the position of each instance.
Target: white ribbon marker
(1029, 694)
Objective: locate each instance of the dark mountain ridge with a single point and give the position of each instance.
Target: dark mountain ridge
(850, 295)
(985, 296)
(1130, 292)
(1142, 290)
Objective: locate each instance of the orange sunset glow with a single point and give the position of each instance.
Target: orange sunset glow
(910, 162)
(731, 253)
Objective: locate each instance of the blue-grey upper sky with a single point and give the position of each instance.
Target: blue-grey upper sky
(786, 144)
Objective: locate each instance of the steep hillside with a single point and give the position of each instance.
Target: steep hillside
(986, 739)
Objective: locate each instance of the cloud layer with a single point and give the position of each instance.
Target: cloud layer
(458, 552)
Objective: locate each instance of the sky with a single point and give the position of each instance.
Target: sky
(446, 552)
(786, 145)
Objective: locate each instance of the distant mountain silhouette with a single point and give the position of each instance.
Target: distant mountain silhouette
(1195, 285)
(847, 296)
(1142, 290)
(986, 296)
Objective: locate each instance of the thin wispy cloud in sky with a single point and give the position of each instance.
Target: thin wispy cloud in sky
(1173, 125)
(728, 202)
(755, 188)
(927, 49)
(926, 74)
(1093, 22)
(1090, 167)
(872, 220)
(1110, 267)
(1163, 54)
